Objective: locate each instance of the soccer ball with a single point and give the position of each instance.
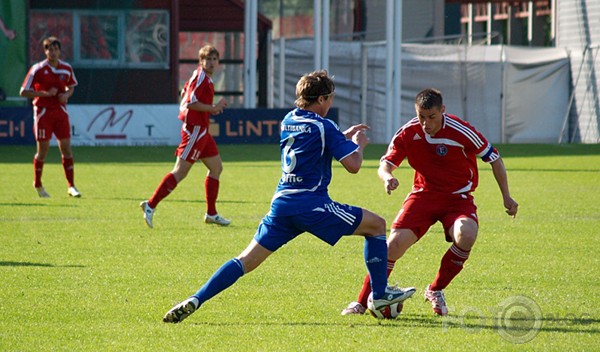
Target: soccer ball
(386, 312)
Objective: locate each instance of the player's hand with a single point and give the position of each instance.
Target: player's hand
(511, 206)
(218, 107)
(360, 138)
(64, 97)
(350, 132)
(222, 103)
(51, 92)
(391, 184)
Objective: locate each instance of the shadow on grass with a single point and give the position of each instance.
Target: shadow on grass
(36, 205)
(136, 201)
(474, 323)
(23, 205)
(515, 327)
(45, 265)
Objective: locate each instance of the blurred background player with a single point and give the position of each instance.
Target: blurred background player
(51, 83)
(10, 34)
(196, 142)
(301, 203)
(442, 149)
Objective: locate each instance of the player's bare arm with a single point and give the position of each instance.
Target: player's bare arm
(29, 93)
(353, 162)
(501, 177)
(213, 109)
(385, 173)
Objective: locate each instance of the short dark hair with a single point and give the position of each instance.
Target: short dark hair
(429, 98)
(51, 41)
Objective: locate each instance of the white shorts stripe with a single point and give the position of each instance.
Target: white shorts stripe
(196, 135)
(340, 213)
(39, 112)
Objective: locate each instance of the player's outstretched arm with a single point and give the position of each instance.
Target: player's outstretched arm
(502, 179)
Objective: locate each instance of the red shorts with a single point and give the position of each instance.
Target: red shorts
(196, 144)
(49, 121)
(420, 210)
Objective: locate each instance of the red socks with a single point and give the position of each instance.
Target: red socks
(38, 167)
(69, 170)
(211, 188)
(452, 264)
(365, 291)
(167, 185)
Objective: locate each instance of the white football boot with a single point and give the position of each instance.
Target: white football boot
(42, 192)
(393, 294)
(181, 311)
(354, 308)
(216, 219)
(73, 192)
(148, 213)
(437, 300)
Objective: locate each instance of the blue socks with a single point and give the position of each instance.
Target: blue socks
(226, 276)
(376, 260)
(375, 257)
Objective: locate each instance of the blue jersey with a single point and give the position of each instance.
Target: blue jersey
(308, 144)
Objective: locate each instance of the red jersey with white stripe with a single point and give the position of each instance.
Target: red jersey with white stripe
(446, 162)
(198, 88)
(43, 76)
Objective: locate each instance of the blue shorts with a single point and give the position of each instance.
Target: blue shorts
(328, 223)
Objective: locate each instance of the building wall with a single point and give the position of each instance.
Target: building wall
(579, 27)
(578, 23)
(421, 19)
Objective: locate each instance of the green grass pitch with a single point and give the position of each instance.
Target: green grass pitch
(88, 275)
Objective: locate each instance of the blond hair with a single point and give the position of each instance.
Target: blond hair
(206, 51)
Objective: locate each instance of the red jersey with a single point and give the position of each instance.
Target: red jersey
(198, 88)
(445, 163)
(43, 76)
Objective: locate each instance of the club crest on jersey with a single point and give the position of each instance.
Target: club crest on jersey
(441, 150)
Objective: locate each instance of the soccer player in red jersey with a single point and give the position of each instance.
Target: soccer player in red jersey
(442, 149)
(50, 83)
(196, 142)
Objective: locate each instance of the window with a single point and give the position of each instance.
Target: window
(228, 78)
(105, 39)
(44, 24)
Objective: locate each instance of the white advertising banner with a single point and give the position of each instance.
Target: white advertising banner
(112, 125)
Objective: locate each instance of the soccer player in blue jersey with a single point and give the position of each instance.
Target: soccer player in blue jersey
(301, 203)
